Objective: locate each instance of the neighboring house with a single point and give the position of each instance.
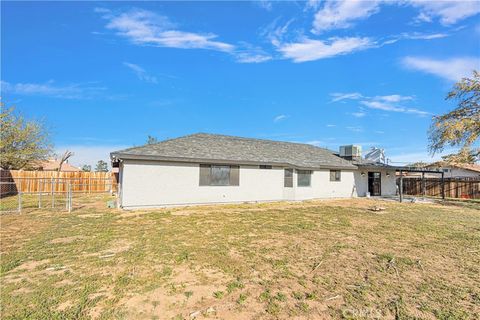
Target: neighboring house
(208, 168)
(457, 170)
(52, 165)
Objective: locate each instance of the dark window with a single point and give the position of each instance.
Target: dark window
(335, 175)
(219, 175)
(304, 178)
(288, 178)
(265, 166)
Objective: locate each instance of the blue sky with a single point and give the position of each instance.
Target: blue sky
(104, 75)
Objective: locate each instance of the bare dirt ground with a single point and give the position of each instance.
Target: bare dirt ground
(311, 260)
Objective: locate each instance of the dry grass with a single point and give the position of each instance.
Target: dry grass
(310, 260)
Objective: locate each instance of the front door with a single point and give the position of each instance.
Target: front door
(374, 183)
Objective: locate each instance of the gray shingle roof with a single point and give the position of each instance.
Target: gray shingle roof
(202, 147)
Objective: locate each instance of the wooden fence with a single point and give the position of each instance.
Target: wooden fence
(466, 188)
(51, 181)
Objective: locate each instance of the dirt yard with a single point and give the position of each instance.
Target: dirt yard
(310, 260)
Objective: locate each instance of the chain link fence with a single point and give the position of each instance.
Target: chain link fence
(14, 200)
(24, 194)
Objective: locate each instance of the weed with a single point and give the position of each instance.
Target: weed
(232, 286)
(298, 295)
(280, 296)
(242, 298)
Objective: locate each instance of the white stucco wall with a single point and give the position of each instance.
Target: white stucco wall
(458, 172)
(155, 184)
(388, 184)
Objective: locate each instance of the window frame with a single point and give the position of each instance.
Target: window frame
(307, 173)
(206, 173)
(335, 179)
(288, 180)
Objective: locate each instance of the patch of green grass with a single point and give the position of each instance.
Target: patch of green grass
(265, 295)
(242, 298)
(234, 285)
(280, 296)
(298, 295)
(302, 306)
(273, 308)
(218, 294)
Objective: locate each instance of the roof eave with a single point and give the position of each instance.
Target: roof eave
(123, 156)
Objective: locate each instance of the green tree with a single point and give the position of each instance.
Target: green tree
(101, 166)
(461, 126)
(86, 168)
(22, 142)
(151, 140)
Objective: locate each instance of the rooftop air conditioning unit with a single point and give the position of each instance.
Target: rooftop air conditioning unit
(351, 152)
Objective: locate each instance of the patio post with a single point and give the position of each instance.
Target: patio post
(424, 191)
(401, 186)
(443, 185)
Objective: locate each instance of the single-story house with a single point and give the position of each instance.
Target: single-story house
(459, 170)
(53, 165)
(209, 168)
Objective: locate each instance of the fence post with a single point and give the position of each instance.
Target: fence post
(19, 202)
(69, 197)
(40, 187)
(52, 196)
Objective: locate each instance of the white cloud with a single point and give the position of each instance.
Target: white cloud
(355, 128)
(451, 69)
(50, 89)
(424, 36)
(338, 14)
(140, 72)
(275, 32)
(280, 118)
(264, 4)
(359, 114)
(384, 103)
(331, 125)
(252, 58)
(393, 98)
(378, 105)
(251, 54)
(448, 12)
(312, 5)
(343, 96)
(309, 49)
(144, 27)
(336, 96)
(147, 28)
(101, 10)
(86, 154)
